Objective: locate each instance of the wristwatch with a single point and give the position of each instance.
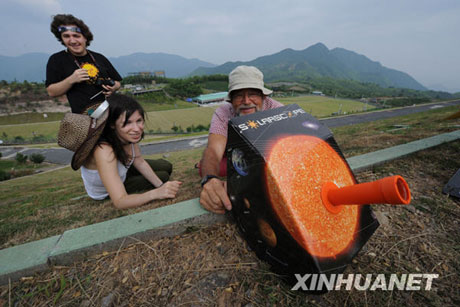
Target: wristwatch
(206, 179)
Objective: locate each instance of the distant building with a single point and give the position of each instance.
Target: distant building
(141, 73)
(317, 93)
(209, 98)
(159, 73)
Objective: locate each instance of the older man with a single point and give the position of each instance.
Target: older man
(246, 94)
(86, 77)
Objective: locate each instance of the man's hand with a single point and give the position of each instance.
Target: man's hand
(79, 75)
(109, 90)
(213, 196)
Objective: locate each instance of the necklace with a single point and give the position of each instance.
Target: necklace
(75, 60)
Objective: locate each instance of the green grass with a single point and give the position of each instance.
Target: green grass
(366, 137)
(15, 169)
(6, 165)
(25, 118)
(162, 137)
(320, 106)
(46, 204)
(165, 120)
(27, 131)
(177, 104)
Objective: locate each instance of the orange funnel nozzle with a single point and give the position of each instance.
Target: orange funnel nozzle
(389, 190)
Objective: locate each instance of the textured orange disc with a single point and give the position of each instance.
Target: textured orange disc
(296, 169)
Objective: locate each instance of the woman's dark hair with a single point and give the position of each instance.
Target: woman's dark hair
(119, 104)
(67, 19)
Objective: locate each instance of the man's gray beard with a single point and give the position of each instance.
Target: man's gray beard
(238, 111)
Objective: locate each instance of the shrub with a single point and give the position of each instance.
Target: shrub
(39, 139)
(37, 158)
(20, 158)
(19, 139)
(200, 127)
(4, 175)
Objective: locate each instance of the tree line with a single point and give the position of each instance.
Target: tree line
(183, 88)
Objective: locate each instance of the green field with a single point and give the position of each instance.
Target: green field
(27, 118)
(320, 106)
(27, 131)
(177, 104)
(164, 120)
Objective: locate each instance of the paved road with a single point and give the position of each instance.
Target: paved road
(64, 156)
(373, 116)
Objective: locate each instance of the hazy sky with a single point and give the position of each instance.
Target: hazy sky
(419, 37)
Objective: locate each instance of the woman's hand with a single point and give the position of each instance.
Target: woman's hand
(168, 189)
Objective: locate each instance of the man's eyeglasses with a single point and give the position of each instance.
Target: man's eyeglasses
(65, 28)
(252, 95)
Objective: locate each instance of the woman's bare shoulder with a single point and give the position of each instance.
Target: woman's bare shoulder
(103, 151)
(103, 146)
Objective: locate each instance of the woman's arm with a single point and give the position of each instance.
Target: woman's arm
(108, 171)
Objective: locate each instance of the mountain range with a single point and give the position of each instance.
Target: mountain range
(32, 66)
(286, 65)
(318, 61)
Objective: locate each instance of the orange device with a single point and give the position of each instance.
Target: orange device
(294, 196)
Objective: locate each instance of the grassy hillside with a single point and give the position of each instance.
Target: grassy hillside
(214, 261)
(51, 197)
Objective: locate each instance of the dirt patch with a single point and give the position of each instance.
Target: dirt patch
(42, 106)
(214, 267)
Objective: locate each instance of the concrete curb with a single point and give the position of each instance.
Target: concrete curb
(25, 259)
(161, 222)
(76, 244)
(364, 161)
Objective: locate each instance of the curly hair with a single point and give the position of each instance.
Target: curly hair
(118, 105)
(68, 19)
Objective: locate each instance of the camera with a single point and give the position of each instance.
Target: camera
(105, 81)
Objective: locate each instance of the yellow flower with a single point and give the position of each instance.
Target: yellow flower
(92, 70)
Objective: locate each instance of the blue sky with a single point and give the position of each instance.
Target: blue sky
(419, 37)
